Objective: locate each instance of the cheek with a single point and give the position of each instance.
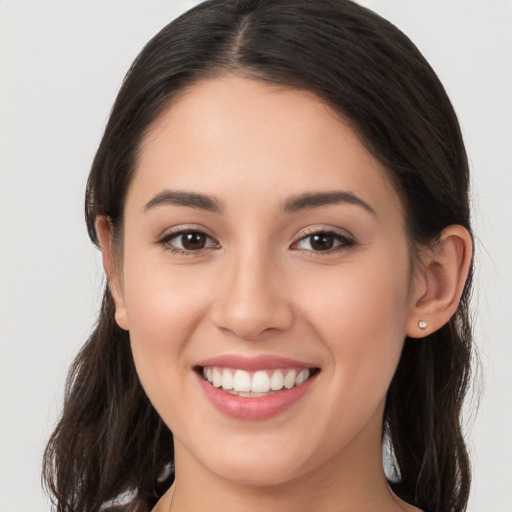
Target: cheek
(361, 317)
(160, 297)
(163, 310)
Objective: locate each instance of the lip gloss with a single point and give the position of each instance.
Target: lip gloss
(253, 408)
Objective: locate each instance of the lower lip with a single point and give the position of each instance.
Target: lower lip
(254, 408)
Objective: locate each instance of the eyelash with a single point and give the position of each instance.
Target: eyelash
(345, 242)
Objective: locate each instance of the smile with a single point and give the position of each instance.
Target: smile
(254, 388)
(256, 383)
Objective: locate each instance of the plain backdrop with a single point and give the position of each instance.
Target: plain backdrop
(61, 64)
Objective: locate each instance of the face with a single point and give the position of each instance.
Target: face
(263, 246)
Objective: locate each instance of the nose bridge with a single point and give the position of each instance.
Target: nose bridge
(253, 300)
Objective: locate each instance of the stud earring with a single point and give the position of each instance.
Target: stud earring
(422, 324)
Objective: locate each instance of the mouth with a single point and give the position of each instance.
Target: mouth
(255, 384)
(257, 387)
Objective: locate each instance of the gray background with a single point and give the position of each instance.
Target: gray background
(61, 64)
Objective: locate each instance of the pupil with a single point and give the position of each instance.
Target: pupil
(322, 242)
(193, 241)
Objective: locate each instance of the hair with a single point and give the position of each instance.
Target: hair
(110, 439)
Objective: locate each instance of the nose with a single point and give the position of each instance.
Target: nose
(252, 302)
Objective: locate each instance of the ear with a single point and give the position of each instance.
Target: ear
(439, 283)
(103, 228)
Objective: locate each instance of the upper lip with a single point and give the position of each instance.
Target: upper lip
(254, 363)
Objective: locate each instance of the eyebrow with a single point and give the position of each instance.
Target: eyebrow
(311, 200)
(183, 198)
(306, 201)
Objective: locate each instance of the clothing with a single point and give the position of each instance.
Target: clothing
(131, 501)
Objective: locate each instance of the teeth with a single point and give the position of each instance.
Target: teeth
(227, 379)
(242, 381)
(259, 383)
(302, 377)
(277, 380)
(289, 380)
(217, 378)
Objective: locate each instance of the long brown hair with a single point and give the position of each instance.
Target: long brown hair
(110, 439)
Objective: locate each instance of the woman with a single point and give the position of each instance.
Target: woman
(281, 201)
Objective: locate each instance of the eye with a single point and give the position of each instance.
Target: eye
(186, 242)
(324, 241)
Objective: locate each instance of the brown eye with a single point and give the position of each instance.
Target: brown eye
(324, 241)
(193, 241)
(187, 242)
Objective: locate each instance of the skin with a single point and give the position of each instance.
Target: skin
(259, 286)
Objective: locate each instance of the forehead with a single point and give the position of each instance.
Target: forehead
(231, 135)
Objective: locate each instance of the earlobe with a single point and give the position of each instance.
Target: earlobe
(103, 227)
(440, 282)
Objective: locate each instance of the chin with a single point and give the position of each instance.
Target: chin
(259, 474)
(263, 465)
